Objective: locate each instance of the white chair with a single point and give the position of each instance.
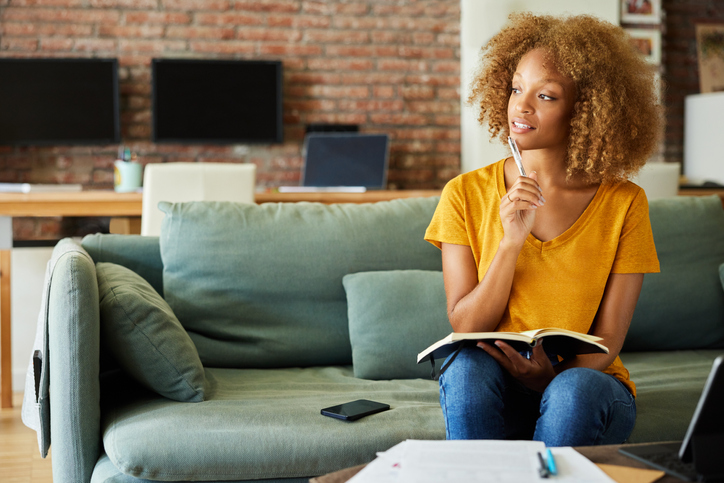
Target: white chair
(659, 180)
(178, 182)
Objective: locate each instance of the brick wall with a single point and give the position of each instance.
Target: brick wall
(681, 71)
(390, 66)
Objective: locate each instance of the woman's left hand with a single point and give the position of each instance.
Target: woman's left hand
(535, 373)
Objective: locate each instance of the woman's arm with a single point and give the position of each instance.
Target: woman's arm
(479, 307)
(473, 306)
(612, 320)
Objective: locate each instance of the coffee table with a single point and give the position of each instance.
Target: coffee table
(606, 454)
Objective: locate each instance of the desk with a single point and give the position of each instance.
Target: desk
(110, 203)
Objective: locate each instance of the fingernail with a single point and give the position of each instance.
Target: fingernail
(543, 200)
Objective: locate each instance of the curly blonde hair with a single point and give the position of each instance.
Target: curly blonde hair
(616, 122)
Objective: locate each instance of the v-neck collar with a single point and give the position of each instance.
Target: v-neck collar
(566, 235)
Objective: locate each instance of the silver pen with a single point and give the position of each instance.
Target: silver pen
(516, 155)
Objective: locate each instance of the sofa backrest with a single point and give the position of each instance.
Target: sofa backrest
(683, 306)
(261, 285)
(141, 254)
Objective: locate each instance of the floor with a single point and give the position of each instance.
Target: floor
(20, 460)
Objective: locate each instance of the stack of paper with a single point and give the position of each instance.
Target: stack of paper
(472, 461)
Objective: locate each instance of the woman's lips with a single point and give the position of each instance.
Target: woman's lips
(520, 126)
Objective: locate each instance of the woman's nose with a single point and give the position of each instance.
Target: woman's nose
(523, 104)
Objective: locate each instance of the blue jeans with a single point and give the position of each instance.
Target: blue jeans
(580, 407)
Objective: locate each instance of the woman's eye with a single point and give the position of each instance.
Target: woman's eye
(547, 98)
(515, 90)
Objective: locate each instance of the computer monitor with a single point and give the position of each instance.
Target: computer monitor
(345, 160)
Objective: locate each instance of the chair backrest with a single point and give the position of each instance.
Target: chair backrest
(176, 182)
(659, 180)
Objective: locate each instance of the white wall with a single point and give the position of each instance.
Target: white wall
(480, 20)
(27, 277)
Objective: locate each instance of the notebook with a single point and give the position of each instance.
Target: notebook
(343, 162)
(698, 456)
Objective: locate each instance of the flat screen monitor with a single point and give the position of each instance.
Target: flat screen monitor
(352, 160)
(59, 101)
(217, 101)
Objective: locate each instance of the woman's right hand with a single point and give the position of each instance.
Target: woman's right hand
(517, 208)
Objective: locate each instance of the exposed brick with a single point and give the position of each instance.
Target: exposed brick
(134, 4)
(165, 18)
(186, 5)
(388, 66)
(268, 5)
(227, 48)
(184, 32)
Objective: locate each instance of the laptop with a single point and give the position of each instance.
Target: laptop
(699, 456)
(343, 162)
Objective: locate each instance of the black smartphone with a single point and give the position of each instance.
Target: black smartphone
(354, 410)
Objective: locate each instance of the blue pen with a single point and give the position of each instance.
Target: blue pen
(552, 469)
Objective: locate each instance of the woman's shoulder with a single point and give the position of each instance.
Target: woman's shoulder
(624, 191)
(474, 182)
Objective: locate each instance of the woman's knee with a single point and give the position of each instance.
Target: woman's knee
(471, 363)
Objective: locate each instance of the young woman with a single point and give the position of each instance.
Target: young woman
(565, 246)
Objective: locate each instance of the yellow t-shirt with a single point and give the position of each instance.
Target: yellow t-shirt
(557, 283)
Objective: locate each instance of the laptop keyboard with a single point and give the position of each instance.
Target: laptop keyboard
(665, 459)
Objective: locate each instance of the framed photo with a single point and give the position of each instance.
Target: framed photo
(710, 52)
(641, 11)
(648, 42)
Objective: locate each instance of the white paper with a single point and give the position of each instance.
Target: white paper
(476, 461)
(470, 461)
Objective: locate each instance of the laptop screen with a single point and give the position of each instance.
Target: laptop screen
(341, 159)
(707, 419)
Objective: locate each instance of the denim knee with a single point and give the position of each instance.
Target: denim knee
(583, 406)
(471, 395)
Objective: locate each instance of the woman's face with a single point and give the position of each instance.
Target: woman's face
(540, 105)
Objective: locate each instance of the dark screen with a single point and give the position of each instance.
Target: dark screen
(58, 101)
(217, 101)
(346, 160)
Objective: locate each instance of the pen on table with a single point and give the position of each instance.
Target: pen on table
(543, 470)
(552, 468)
(516, 155)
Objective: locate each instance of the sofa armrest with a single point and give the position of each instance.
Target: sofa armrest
(74, 341)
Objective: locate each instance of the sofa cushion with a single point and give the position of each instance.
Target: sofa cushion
(668, 386)
(683, 306)
(145, 337)
(394, 315)
(263, 423)
(261, 285)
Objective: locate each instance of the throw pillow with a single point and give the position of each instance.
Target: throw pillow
(141, 331)
(394, 315)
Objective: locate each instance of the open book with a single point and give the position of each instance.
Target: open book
(565, 343)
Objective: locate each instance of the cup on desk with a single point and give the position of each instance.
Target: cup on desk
(127, 176)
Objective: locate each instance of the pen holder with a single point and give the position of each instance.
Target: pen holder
(126, 176)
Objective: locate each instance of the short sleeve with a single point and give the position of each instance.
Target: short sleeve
(636, 251)
(448, 221)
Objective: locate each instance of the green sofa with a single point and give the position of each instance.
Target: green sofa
(272, 312)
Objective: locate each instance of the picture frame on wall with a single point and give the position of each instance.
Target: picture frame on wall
(648, 42)
(641, 11)
(710, 54)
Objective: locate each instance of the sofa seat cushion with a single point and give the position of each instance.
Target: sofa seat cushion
(263, 424)
(668, 385)
(261, 285)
